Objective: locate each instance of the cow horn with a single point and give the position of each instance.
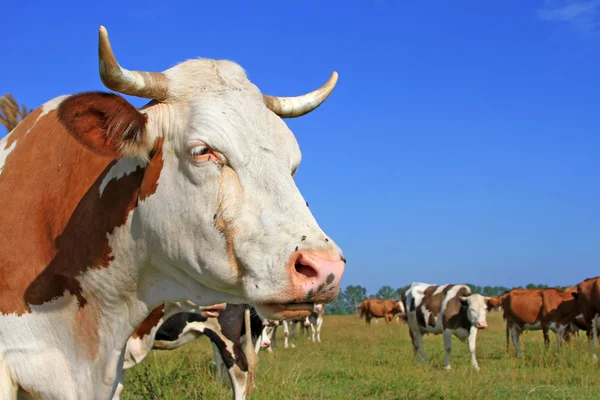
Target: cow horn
(150, 85)
(291, 107)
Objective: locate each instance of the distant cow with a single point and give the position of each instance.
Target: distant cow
(588, 298)
(447, 310)
(227, 334)
(313, 323)
(377, 308)
(548, 309)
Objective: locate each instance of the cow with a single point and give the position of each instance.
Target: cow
(289, 330)
(587, 295)
(378, 308)
(168, 328)
(548, 309)
(110, 211)
(310, 325)
(447, 309)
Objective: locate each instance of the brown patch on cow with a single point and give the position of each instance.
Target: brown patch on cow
(588, 298)
(105, 123)
(86, 331)
(153, 170)
(433, 302)
(21, 129)
(229, 189)
(58, 224)
(456, 313)
(150, 322)
(523, 306)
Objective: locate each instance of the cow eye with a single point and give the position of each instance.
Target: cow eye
(203, 153)
(199, 151)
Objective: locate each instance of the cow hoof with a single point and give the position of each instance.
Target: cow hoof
(448, 368)
(293, 346)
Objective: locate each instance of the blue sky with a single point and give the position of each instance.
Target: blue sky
(460, 145)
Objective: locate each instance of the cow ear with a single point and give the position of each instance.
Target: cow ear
(106, 123)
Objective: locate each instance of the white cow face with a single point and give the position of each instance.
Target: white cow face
(218, 211)
(476, 310)
(226, 210)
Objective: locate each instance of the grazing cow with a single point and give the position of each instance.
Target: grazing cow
(226, 331)
(377, 308)
(110, 211)
(548, 309)
(588, 299)
(447, 310)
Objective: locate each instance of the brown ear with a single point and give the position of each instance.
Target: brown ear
(106, 123)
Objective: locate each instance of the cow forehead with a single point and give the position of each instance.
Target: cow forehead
(234, 123)
(477, 301)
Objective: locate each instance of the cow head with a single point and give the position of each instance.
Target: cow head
(476, 309)
(224, 211)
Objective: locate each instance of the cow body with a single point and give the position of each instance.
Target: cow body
(588, 298)
(111, 211)
(547, 310)
(227, 334)
(448, 310)
(378, 308)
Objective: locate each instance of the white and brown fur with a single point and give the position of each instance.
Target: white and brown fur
(448, 310)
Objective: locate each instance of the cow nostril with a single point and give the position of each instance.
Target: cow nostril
(305, 270)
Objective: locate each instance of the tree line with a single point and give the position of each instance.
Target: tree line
(353, 295)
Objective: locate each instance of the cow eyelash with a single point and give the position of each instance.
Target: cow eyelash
(199, 151)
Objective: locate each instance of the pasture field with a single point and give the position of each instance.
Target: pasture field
(354, 361)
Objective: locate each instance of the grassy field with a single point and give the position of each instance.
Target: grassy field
(359, 362)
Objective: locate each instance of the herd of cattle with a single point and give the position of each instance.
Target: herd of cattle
(454, 310)
(126, 230)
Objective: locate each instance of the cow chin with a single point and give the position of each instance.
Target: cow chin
(285, 311)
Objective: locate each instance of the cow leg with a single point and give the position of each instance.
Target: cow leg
(293, 334)
(472, 340)
(546, 336)
(418, 346)
(219, 363)
(313, 332)
(319, 324)
(514, 332)
(448, 347)
(594, 337)
(286, 333)
(273, 337)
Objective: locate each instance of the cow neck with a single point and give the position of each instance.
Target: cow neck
(65, 207)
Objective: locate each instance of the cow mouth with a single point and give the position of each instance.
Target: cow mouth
(288, 310)
(213, 314)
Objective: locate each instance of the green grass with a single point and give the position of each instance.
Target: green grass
(359, 362)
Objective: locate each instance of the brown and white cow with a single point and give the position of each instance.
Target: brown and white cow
(109, 211)
(378, 308)
(588, 298)
(548, 309)
(447, 310)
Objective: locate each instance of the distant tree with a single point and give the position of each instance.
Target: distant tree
(385, 292)
(337, 306)
(353, 296)
(398, 292)
(10, 112)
